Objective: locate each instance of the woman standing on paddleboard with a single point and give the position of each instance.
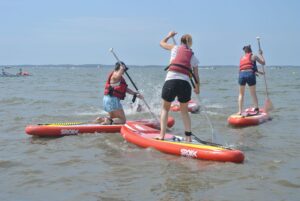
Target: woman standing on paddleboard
(115, 90)
(247, 74)
(183, 64)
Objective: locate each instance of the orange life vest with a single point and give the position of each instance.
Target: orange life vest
(118, 91)
(246, 62)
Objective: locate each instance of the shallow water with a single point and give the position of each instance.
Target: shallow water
(105, 167)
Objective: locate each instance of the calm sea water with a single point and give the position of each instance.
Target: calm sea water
(105, 167)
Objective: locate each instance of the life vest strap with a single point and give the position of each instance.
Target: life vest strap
(179, 65)
(186, 68)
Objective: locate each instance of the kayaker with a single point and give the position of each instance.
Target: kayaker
(3, 72)
(20, 72)
(115, 90)
(177, 83)
(247, 74)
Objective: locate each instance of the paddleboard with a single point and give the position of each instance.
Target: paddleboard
(145, 137)
(248, 118)
(75, 128)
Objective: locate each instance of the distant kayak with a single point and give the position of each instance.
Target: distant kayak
(248, 118)
(9, 75)
(145, 137)
(15, 75)
(75, 128)
(193, 106)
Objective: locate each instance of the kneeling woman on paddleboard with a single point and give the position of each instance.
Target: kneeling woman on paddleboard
(115, 90)
(247, 74)
(183, 64)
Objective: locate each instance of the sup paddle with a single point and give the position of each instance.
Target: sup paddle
(268, 103)
(112, 51)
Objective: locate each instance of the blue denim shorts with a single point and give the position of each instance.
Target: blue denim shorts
(111, 103)
(247, 77)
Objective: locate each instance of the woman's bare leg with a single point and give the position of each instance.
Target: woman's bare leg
(186, 119)
(164, 118)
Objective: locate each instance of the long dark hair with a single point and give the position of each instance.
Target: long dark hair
(247, 49)
(117, 65)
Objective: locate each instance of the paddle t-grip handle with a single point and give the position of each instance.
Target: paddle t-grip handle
(112, 51)
(258, 41)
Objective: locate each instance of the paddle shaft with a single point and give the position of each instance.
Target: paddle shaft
(174, 41)
(213, 135)
(209, 143)
(263, 68)
(135, 86)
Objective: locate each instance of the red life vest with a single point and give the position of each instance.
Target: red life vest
(246, 62)
(118, 91)
(182, 62)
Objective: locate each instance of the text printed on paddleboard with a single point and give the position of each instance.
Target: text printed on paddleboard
(188, 153)
(69, 131)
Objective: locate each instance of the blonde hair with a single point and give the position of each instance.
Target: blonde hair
(186, 39)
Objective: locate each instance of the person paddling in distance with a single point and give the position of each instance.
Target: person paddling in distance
(247, 74)
(20, 72)
(183, 63)
(3, 72)
(115, 90)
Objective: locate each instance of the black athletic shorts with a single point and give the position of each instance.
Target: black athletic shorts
(177, 88)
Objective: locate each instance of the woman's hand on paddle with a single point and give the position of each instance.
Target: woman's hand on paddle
(164, 42)
(171, 34)
(140, 96)
(124, 67)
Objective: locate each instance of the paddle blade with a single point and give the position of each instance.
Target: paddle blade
(268, 105)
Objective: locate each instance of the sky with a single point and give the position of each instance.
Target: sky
(41, 32)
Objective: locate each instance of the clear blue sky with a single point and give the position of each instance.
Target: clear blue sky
(82, 31)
